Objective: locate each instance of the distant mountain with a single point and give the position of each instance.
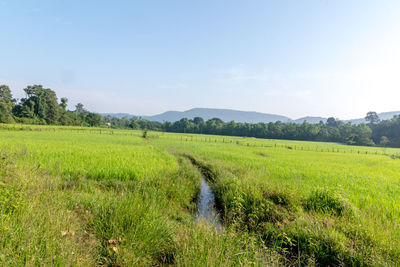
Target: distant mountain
(314, 120)
(239, 116)
(118, 115)
(224, 114)
(383, 116)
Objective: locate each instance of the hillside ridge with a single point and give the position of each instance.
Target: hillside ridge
(238, 116)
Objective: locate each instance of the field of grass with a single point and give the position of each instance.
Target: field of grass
(87, 196)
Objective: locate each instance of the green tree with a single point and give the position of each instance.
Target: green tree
(5, 93)
(79, 108)
(198, 120)
(6, 104)
(64, 103)
(27, 108)
(40, 103)
(384, 141)
(94, 119)
(133, 124)
(362, 135)
(332, 122)
(51, 113)
(372, 117)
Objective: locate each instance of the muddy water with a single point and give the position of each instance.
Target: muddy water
(206, 204)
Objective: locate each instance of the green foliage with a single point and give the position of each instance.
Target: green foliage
(63, 103)
(6, 113)
(5, 93)
(6, 104)
(94, 119)
(41, 103)
(41, 107)
(384, 141)
(333, 130)
(144, 134)
(372, 117)
(326, 201)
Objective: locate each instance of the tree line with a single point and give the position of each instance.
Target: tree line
(375, 132)
(385, 133)
(41, 106)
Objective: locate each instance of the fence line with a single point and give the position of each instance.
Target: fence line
(205, 139)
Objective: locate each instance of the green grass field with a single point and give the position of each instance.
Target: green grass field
(88, 196)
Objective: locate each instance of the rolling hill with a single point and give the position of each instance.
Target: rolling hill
(236, 115)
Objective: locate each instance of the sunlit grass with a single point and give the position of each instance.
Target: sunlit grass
(131, 200)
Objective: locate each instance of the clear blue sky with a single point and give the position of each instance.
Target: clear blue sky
(295, 58)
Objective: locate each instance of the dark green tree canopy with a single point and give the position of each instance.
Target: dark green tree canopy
(79, 108)
(40, 103)
(198, 120)
(372, 117)
(5, 94)
(64, 103)
(6, 104)
(40, 106)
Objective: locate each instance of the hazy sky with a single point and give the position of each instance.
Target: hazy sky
(295, 58)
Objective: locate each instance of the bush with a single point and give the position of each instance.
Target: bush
(325, 201)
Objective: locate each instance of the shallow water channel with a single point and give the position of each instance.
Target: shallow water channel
(206, 204)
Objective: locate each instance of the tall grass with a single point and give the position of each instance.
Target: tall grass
(312, 206)
(83, 196)
(91, 199)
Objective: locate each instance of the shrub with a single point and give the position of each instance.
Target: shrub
(325, 201)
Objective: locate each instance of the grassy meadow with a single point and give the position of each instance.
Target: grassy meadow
(91, 196)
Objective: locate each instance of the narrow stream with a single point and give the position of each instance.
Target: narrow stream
(206, 205)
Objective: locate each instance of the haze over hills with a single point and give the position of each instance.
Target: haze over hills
(310, 119)
(208, 113)
(383, 116)
(238, 116)
(223, 114)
